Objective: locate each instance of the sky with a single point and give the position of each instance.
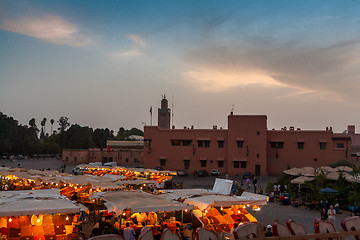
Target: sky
(104, 64)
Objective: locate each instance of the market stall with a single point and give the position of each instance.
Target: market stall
(37, 214)
(137, 207)
(218, 212)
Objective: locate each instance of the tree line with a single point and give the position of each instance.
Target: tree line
(28, 140)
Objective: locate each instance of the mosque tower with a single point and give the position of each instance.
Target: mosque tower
(164, 114)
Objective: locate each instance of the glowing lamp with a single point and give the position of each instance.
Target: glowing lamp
(67, 218)
(221, 208)
(10, 220)
(38, 220)
(186, 210)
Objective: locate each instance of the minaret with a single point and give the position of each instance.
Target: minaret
(164, 114)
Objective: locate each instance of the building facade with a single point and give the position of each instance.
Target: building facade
(125, 153)
(246, 146)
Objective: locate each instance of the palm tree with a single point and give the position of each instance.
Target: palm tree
(52, 123)
(43, 122)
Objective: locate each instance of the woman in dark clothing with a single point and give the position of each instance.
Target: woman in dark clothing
(324, 215)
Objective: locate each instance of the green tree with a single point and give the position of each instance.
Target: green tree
(100, 137)
(63, 123)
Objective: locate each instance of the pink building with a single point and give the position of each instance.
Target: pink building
(125, 153)
(246, 146)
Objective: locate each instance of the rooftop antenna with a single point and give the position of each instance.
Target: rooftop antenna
(172, 111)
(232, 107)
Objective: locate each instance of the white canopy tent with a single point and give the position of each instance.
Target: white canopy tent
(177, 194)
(138, 201)
(28, 202)
(204, 202)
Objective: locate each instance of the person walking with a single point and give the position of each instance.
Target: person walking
(248, 181)
(129, 233)
(254, 182)
(331, 214)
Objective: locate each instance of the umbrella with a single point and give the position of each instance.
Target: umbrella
(329, 191)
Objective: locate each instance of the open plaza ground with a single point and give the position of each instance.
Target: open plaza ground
(269, 213)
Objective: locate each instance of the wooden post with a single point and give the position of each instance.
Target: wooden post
(260, 233)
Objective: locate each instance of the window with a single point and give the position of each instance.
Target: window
(162, 162)
(258, 133)
(323, 145)
(67, 159)
(236, 164)
(75, 159)
(180, 142)
(175, 142)
(340, 145)
(277, 156)
(257, 155)
(147, 142)
(277, 145)
(135, 160)
(204, 143)
(186, 142)
(243, 164)
(127, 160)
(240, 144)
(220, 164)
(203, 163)
(300, 145)
(186, 164)
(220, 144)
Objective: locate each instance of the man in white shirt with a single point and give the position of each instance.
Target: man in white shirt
(331, 215)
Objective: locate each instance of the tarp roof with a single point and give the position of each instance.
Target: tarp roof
(138, 201)
(344, 168)
(203, 202)
(176, 194)
(28, 202)
(305, 171)
(138, 181)
(335, 175)
(302, 180)
(326, 169)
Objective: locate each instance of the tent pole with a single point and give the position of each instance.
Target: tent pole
(182, 218)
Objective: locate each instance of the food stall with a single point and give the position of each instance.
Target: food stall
(138, 206)
(218, 212)
(37, 214)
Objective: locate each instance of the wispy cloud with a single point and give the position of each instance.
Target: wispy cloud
(213, 80)
(52, 29)
(327, 72)
(136, 49)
